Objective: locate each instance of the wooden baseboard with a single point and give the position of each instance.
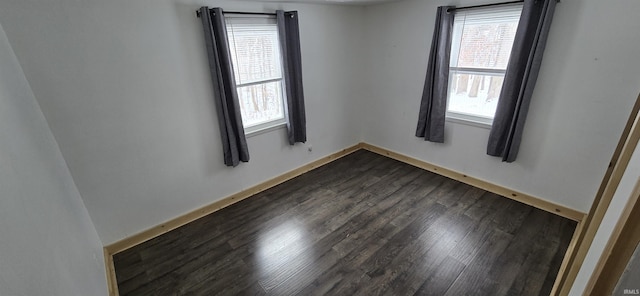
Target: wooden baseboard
(112, 283)
(208, 209)
(503, 191)
(564, 266)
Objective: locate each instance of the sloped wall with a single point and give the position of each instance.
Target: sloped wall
(48, 245)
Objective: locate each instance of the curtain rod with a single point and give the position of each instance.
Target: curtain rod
(485, 5)
(240, 12)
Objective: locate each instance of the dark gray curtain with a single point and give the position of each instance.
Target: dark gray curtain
(520, 78)
(292, 64)
(433, 106)
(234, 142)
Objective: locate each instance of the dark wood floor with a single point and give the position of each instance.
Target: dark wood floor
(362, 225)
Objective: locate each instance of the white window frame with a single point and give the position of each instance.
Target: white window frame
(271, 124)
(463, 117)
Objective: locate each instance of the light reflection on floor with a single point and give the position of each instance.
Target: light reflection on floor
(284, 249)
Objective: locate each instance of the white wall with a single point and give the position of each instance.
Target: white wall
(589, 79)
(620, 199)
(48, 245)
(125, 88)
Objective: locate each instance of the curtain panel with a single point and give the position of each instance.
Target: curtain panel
(288, 31)
(520, 79)
(234, 142)
(433, 106)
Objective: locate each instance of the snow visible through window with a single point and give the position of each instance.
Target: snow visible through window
(257, 65)
(480, 51)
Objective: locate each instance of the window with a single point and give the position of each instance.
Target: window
(480, 50)
(257, 66)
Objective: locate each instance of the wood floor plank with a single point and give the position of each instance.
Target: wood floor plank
(378, 264)
(441, 280)
(362, 225)
(480, 231)
(403, 250)
(473, 280)
(432, 248)
(376, 223)
(436, 242)
(511, 262)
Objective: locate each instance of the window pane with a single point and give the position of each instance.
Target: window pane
(255, 52)
(474, 94)
(480, 49)
(484, 39)
(261, 103)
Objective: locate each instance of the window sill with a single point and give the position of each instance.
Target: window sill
(467, 121)
(266, 129)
